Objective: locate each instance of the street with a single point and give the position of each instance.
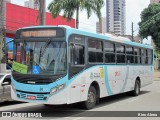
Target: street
(148, 100)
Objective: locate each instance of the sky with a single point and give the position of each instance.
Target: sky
(133, 11)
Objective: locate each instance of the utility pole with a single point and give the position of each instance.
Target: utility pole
(2, 34)
(132, 33)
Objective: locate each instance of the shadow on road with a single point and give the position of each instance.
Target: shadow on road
(116, 98)
(144, 92)
(73, 110)
(7, 103)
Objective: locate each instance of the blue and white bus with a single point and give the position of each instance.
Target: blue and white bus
(63, 65)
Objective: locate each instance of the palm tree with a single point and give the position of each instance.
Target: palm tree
(69, 7)
(41, 11)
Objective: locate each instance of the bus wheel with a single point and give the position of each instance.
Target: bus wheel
(136, 90)
(91, 99)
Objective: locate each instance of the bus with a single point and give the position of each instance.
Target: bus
(56, 65)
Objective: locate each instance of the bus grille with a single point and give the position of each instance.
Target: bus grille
(38, 96)
(27, 79)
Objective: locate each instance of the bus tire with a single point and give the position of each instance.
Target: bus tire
(91, 99)
(136, 90)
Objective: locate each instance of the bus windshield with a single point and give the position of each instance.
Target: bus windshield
(43, 58)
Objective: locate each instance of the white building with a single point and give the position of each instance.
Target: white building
(116, 16)
(154, 1)
(101, 26)
(31, 4)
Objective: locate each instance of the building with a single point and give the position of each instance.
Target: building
(31, 4)
(9, 1)
(101, 26)
(154, 1)
(98, 27)
(25, 17)
(116, 16)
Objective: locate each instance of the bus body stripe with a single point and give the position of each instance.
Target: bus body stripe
(107, 81)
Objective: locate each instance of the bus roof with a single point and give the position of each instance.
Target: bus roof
(106, 37)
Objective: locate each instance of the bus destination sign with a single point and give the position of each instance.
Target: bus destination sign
(39, 33)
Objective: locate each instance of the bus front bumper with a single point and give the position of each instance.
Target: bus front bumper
(55, 99)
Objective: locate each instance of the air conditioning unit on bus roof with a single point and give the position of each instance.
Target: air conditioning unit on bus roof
(66, 26)
(116, 37)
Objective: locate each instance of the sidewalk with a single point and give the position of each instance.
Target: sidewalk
(157, 75)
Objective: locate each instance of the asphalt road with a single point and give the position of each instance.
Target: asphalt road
(148, 100)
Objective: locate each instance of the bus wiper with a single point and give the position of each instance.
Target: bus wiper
(24, 42)
(24, 49)
(45, 47)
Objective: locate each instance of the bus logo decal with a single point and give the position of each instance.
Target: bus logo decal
(36, 69)
(117, 73)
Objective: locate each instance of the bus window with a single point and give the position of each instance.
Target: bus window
(95, 51)
(120, 53)
(78, 55)
(130, 55)
(149, 56)
(146, 60)
(137, 55)
(109, 49)
(143, 56)
(120, 48)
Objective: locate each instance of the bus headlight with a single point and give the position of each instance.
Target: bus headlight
(57, 88)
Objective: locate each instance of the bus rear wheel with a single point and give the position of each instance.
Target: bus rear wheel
(91, 99)
(136, 90)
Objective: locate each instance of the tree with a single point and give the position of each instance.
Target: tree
(150, 23)
(41, 11)
(2, 30)
(69, 7)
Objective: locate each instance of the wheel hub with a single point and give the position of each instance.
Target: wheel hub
(91, 97)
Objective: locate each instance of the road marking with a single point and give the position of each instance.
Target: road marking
(78, 118)
(133, 100)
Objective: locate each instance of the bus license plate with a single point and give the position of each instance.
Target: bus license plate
(31, 97)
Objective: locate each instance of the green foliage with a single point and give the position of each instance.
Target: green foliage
(69, 7)
(150, 23)
(157, 52)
